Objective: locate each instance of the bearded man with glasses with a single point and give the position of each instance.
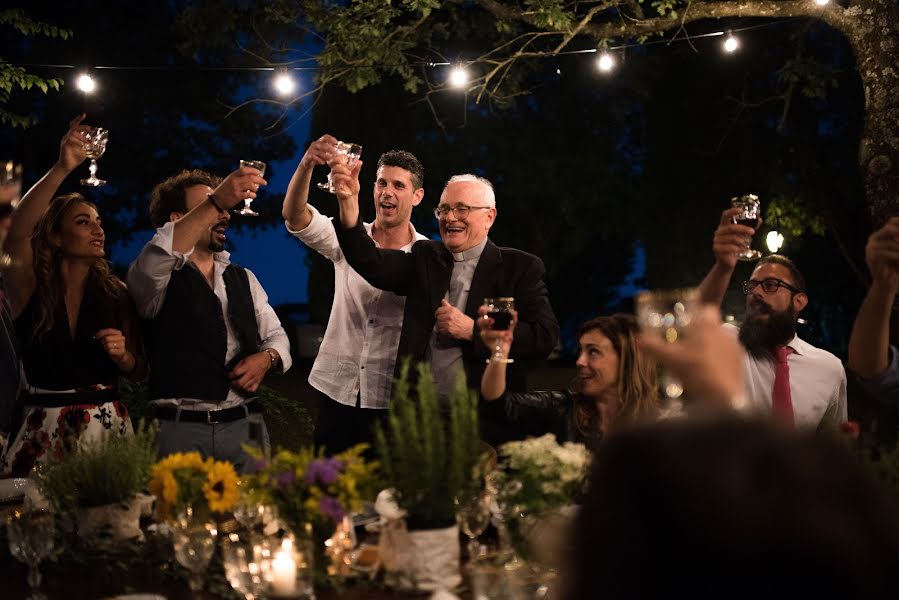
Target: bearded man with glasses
(798, 384)
(445, 283)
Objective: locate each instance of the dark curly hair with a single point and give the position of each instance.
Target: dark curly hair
(169, 196)
(404, 160)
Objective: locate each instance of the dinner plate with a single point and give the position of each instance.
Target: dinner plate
(13, 489)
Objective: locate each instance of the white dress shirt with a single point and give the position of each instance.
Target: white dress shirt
(817, 385)
(148, 279)
(357, 356)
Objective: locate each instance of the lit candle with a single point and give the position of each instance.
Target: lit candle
(284, 574)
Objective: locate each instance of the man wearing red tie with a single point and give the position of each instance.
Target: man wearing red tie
(796, 383)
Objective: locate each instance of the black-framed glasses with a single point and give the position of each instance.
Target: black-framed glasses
(460, 212)
(770, 285)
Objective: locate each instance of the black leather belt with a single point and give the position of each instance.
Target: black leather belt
(227, 415)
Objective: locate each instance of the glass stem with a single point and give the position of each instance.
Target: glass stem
(93, 169)
(34, 578)
(196, 582)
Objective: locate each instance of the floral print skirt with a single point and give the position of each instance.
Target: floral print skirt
(50, 433)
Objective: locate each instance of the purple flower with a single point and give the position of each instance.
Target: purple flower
(285, 479)
(258, 465)
(331, 507)
(324, 470)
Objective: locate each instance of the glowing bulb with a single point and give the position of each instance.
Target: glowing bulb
(86, 83)
(822, 2)
(774, 240)
(731, 44)
(605, 62)
(458, 77)
(285, 84)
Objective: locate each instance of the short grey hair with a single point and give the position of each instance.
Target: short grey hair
(486, 186)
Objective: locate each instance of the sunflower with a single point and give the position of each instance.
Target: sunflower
(221, 486)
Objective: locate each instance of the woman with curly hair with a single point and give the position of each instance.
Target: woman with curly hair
(616, 384)
(75, 321)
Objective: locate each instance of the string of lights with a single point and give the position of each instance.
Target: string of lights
(285, 84)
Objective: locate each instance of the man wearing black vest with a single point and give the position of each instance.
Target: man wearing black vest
(210, 333)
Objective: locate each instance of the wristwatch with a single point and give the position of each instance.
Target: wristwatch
(273, 356)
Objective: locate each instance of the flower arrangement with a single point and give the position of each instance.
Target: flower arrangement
(185, 480)
(305, 487)
(538, 474)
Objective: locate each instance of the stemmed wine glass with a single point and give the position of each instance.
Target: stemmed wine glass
(247, 211)
(31, 541)
(10, 191)
(473, 517)
(352, 153)
(500, 310)
(96, 147)
(667, 313)
(749, 204)
(194, 543)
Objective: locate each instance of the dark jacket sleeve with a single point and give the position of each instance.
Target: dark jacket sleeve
(534, 413)
(390, 270)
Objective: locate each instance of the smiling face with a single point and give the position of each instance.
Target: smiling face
(460, 235)
(215, 240)
(395, 195)
(80, 235)
(597, 366)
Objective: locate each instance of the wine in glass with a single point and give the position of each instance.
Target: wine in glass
(95, 147)
(500, 310)
(31, 541)
(352, 152)
(749, 204)
(667, 313)
(247, 210)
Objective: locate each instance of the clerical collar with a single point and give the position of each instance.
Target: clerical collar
(469, 254)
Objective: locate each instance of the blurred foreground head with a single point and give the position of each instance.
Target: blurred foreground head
(732, 509)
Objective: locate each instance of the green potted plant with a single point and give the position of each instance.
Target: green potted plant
(428, 455)
(100, 482)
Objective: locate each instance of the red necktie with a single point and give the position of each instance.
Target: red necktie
(781, 403)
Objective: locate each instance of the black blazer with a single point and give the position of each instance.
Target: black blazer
(423, 276)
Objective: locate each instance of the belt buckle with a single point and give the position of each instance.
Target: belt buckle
(209, 417)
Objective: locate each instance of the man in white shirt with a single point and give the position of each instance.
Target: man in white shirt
(210, 334)
(786, 377)
(354, 369)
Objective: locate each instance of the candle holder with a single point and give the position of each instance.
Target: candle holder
(287, 565)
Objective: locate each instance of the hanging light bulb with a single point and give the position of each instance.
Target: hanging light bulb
(284, 84)
(86, 83)
(605, 62)
(731, 43)
(774, 240)
(458, 76)
(822, 2)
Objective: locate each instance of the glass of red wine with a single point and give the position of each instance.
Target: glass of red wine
(500, 311)
(749, 204)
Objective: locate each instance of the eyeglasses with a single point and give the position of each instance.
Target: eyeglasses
(769, 285)
(460, 212)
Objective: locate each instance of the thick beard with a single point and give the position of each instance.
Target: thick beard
(761, 337)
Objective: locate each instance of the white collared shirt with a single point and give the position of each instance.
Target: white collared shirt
(357, 356)
(817, 385)
(148, 279)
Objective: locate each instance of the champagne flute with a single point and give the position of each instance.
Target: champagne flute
(352, 153)
(31, 541)
(749, 204)
(247, 211)
(667, 313)
(10, 192)
(500, 310)
(95, 147)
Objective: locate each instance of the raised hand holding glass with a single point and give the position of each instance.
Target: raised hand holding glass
(95, 147)
(352, 152)
(749, 204)
(247, 210)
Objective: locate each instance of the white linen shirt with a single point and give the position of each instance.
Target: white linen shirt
(817, 385)
(148, 279)
(357, 355)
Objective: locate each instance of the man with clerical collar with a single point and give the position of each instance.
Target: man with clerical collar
(353, 371)
(445, 282)
(211, 335)
(798, 384)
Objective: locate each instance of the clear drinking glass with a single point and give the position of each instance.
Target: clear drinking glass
(96, 147)
(31, 541)
(242, 570)
(247, 210)
(194, 544)
(749, 204)
(473, 517)
(352, 152)
(500, 310)
(667, 313)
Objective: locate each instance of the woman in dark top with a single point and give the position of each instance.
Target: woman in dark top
(74, 319)
(616, 384)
